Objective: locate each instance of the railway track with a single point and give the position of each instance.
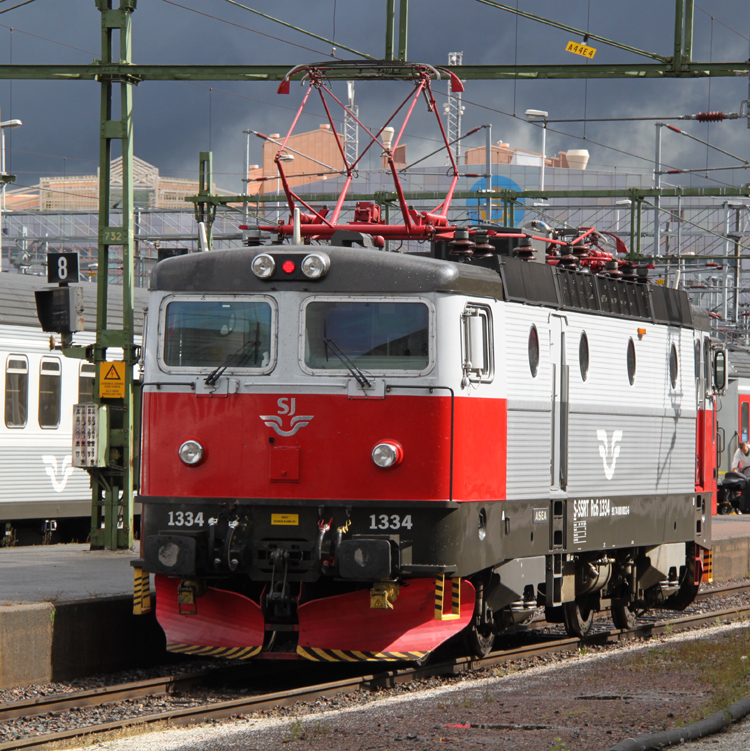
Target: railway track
(387, 679)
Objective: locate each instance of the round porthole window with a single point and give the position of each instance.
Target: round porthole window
(533, 351)
(673, 365)
(583, 355)
(631, 362)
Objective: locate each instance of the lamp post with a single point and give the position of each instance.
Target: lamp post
(535, 116)
(3, 173)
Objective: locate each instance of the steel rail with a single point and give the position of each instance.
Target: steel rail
(95, 697)
(387, 679)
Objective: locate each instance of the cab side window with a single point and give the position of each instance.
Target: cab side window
(477, 346)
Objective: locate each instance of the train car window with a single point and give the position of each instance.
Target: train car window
(50, 392)
(673, 365)
(212, 333)
(631, 362)
(478, 359)
(86, 383)
(16, 391)
(369, 335)
(533, 351)
(583, 355)
(745, 422)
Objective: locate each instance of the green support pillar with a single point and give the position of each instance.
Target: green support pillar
(390, 27)
(403, 29)
(113, 485)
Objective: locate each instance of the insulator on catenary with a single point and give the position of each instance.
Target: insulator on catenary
(710, 117)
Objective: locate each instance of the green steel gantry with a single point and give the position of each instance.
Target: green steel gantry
(114, 485)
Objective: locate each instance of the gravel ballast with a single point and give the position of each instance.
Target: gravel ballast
(588, 701)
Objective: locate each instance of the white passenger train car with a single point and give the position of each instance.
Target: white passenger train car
(40, 491)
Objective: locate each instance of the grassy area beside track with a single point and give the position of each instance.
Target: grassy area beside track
(722, 665)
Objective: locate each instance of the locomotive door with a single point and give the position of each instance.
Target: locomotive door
(559, 396)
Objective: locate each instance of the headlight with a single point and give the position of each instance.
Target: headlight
(387, 454)
(168, 554)
(315, 265)
(191, 452)
(263, 266)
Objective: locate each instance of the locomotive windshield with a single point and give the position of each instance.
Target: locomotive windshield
(208, 333)
(372, 335)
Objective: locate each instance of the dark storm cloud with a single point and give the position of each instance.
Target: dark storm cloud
(174, 121)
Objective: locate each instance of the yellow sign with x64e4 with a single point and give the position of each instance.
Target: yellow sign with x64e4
(581, 49)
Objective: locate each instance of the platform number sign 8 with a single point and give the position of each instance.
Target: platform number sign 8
(62, 268)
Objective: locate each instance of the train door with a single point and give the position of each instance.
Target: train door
(700, 396)
(559, 396)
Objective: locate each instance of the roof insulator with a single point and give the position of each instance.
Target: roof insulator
(710, 117)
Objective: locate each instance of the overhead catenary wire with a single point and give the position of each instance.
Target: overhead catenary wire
(247, 28)
(301, 31)
(7, 10)
(726, 26)
(578, 138)
(45, 39)
(707, 144)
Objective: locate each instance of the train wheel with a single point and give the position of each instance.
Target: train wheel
(623, 615)
(579, 618)
(477, 643)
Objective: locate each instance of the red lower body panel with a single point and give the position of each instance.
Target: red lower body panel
(226, 623)
(339, 628)
(332, 627)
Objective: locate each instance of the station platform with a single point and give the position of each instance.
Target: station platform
(52, 573)
(66, 611)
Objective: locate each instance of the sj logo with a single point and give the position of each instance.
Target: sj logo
(65, 471)
(287, 407)
(609, 452)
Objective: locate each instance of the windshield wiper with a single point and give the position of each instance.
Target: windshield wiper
(358, 375)
(239, 358)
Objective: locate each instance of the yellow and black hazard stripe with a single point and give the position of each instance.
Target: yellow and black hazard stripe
(342, 655)
(440, 614)
(235, 653)
(141, 592)
(708, 565)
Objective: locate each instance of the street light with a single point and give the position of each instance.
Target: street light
(3, 126)
(533, 116)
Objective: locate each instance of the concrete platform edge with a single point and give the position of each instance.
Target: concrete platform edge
(57, 641)
(731, 558)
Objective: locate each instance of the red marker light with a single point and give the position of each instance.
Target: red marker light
(288, 267)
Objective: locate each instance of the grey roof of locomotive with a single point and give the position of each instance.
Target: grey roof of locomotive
(360, 270)
(18, 306)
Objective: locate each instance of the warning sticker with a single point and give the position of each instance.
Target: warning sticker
(285, 520)
(112, 380)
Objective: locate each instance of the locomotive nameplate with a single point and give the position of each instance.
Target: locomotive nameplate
(540, 515)
(285, 520)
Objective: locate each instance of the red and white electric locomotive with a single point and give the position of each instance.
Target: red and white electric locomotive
(355, 454)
